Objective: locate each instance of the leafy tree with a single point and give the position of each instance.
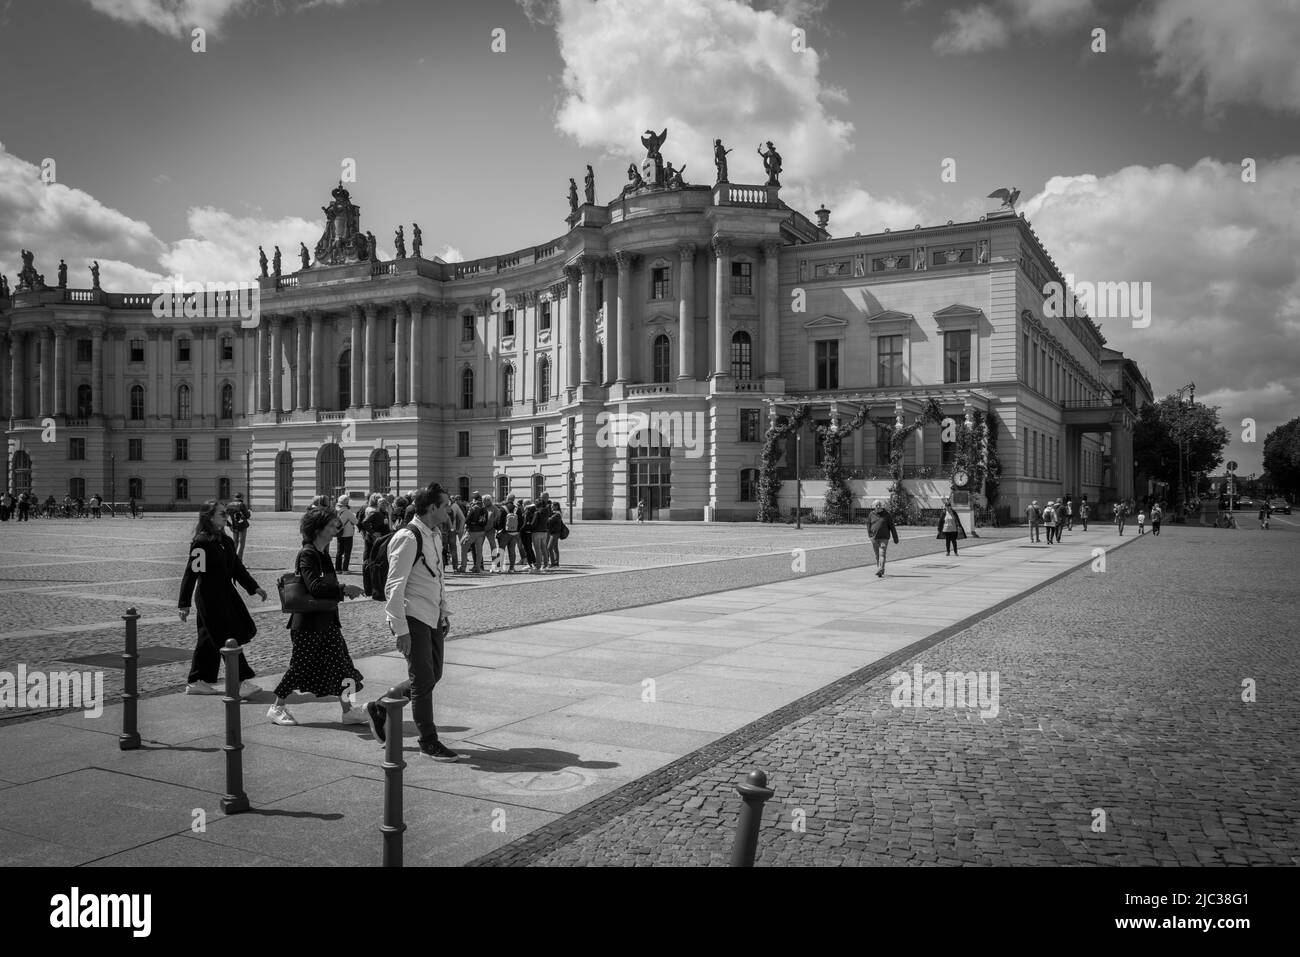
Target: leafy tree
(1162, 424)
(1282, 456)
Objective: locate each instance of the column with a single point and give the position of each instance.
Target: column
(606, 368)
(625, 263)
(372, 353)
(572, 327)
(451, 334)
(60, 370)
(260, 361)
(587, 329)
(316, 377)
(401, 361)
(304, 366)
(96, 371)
(721, 301)
(46, 405)
(686, 312)
(770, 312)
(415, 330)
(277, 364)
(18, 378)
(166, 355)
(354, 371)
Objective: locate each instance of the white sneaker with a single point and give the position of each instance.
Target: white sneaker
(200, 687)
(279, 714)
(247, 689)
(355, 715)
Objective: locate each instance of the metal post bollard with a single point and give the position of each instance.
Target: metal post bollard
(235, 800)
(129, 739)
(393, 826)
(755, 792)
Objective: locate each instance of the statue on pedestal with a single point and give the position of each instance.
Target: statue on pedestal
(673, 177)
(306, 256)
(589, 186)
(341, 241)
(634, 180)
(399, 240)
(771, 163)
(573, 198)
(94, 275)
(275, 262)
(63, 274)
(4, 286)
(720, 160)
(373, 245)
(28, 277)
(652, 168)
(417, 240)
(261, 260)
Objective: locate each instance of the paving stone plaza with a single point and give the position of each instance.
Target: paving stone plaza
(607, 711)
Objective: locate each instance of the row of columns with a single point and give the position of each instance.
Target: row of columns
(52, 389)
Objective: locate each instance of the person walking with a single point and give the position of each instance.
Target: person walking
(1142, 523)
(1264, 513)
(418, 617)
(880, 528)
(1083, 513)
(456, 519)
(527, 514)
(950, 528)
(1120, 513)
(1049, 520)
(373, 525)
(1157, 516)
(212, 570)
(1034, 516)
(319, 663)
(1069, 514)
(493, 515)
(6, 505)
(347, 522)
(541, 540)
(238, 515)
(640, 511)
(475, 532)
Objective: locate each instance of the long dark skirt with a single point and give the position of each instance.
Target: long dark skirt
(319, 664)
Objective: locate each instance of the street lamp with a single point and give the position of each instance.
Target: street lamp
(397, 489)
(572, 442)
(112, 478)
(248, 471)
(1182, 489)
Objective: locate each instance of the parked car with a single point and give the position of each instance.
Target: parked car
(1280, 505)
(1245, 504)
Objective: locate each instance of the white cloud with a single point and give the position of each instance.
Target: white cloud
(1227, 52)
(177, 18)
(854, 209)
(223, 247)
(973, 31)
(1223, 260)
(622, 78)
(989, 26)
(450, 254)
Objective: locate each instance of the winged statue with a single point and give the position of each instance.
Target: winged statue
(1008, 196)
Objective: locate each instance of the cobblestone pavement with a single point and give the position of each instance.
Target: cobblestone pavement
(1120, 691)
(63, 583)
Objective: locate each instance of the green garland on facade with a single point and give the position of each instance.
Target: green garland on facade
(902, 504)
(838, 507)
(769, 482)
(977, 454)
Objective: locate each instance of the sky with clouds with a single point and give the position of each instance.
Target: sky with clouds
(1129, 161)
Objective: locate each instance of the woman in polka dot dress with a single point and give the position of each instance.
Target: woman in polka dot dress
(319, 663)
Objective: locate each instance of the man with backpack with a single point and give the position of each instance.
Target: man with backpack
(508, 537)
(237, 516)
(1049, 521)
(417, 615)
(495, 522)
(475, 532)
(555, 530)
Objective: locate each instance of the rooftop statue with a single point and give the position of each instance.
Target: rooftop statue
(1008, 197)
(261, 260)
(634, 180)
(417, 240)
(341, 241)
(771, 163)
(720, 160)
(573, 198)
(590, 186)
(306, 256)
(652, 168)
(399, 240)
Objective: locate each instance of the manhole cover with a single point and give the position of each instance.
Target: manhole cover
(525, 783)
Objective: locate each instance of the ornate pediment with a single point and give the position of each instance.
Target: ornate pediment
(958, 311)
(661, 319)
(891, 315)
(826, 322)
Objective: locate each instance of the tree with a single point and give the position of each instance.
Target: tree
(1157, 448)
(1282, 457)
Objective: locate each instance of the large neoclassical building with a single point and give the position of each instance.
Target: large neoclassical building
(500, 374)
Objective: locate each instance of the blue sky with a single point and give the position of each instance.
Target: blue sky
(1129, 160)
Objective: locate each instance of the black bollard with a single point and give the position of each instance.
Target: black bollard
(235, 800)
(129, 739)
(393, 826)
(755, 792)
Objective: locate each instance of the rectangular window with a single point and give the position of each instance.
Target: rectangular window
(742, 279)
(223, 488)
(223, 449)
(135, 450)
(949, 450)
(182, 450)
(135, 488)
(462, 444)
(137, 350)
(749, 485)
(85, 350)
(1024, 358)
(183, 350)
(77, 449)
(749, 425)
(227, 348)
(828, 364)
(182, 490)
(503, 441)
(77, 488)
(884, 435)
(956, 356)
(539, 440)
(659, 282)
(544, 319)
(466, 328)
(508, 323)
(889, 351)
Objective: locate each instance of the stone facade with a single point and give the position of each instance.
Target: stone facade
(691, 307)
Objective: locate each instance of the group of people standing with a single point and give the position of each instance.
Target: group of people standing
(1056, 516)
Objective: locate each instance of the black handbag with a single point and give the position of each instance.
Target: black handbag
(296, 599)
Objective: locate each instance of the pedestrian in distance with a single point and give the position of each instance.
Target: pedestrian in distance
(494, 518)
(1120, 514)
(1265, 512)
(880, 528)
(1157, 516)
(417, 615)
(319, 663)
(950, 528)
(554, 532)
(237, 513)
(1142, 523)
(541, 512)
(456, 518)
(1049, 521)
(347, 532)
(1083, 513)
(640, 511)
(1034, 516)
(527, 515)
(508, 537)
(475, 534)
(1069, 514)
(212, 570)
(373, 525)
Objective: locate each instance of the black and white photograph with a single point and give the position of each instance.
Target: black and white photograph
(651, 433)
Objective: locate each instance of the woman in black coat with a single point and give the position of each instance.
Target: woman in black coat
(950, 528)
(213, 568)
(319, 663)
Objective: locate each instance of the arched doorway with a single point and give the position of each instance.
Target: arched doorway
(380, 480)
(284, 482)
(330, 479)
(22, 472)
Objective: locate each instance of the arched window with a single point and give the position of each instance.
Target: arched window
(379, 471)
(22, 472)
(742, 350)
(345, 379)
(84, 409)
(467, 389)
(508, 385)
(183, 403)
(662, 356)
(543, 379)
(137, 403)
(227, 401)
(330, 471)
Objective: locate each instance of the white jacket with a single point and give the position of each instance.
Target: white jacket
(411, 590)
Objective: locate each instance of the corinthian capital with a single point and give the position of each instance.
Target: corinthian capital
(771, 249)
(625, 260)
(686, 251)
(572, 271)
(721, 246)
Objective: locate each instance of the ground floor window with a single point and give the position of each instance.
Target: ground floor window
(182, 490)
(135, 488)
(463, 485)
(22, 472)
(77, 488)
(649, 476)
(223, 489)
(539, 486)
(503, 488)
(749, 485)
